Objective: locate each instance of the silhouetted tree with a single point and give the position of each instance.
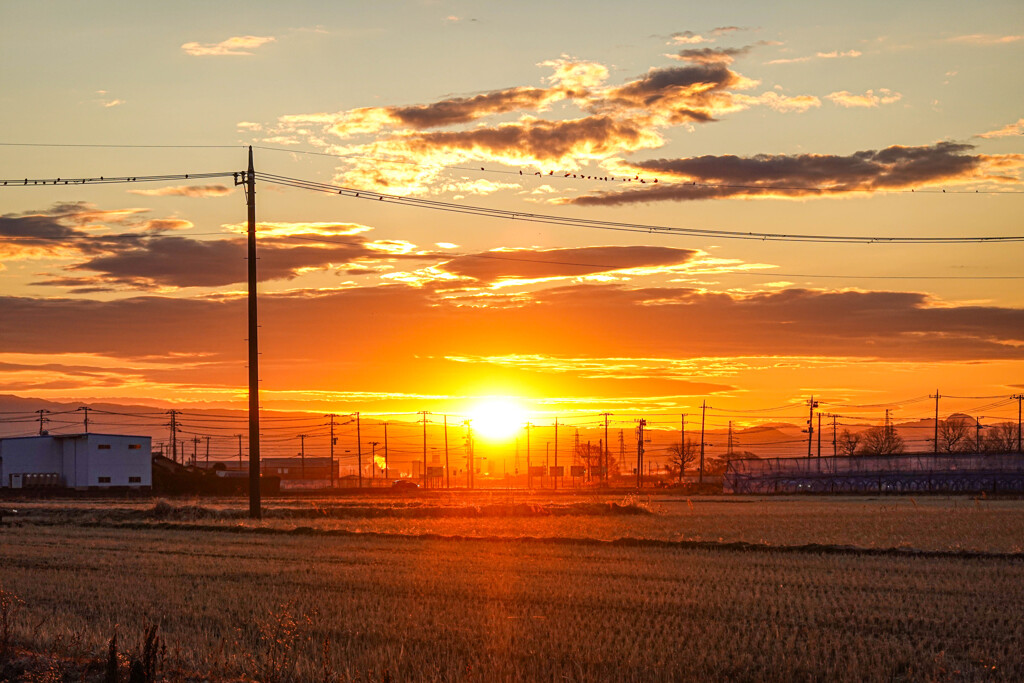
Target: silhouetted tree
(681, 457)
(881, 441)
(955, 434)
(1000, 438)
(848, 442)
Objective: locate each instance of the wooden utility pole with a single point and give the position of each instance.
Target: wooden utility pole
(85, 419)
(936, 397)
(424, 413)
(703, 411)
(174, 434)
(1019, 398)
(606, 459)
(447, 469)
(386, 468)
(333, 441)
(255, 511)
(812, 404)
(42, 420)
(640, 452)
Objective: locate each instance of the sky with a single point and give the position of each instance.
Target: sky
(888, 120)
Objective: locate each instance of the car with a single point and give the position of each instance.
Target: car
(404, 485)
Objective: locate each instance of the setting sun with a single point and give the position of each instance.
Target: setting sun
(497, 418)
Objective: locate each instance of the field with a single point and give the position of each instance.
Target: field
(493, 588)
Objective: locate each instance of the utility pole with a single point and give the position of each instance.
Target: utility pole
(174, 434)
(424, 413)
(42, 420)
(728, 447)
(447, 469)
(359, 452)
(469, 454)
(302, 455)
(85, 419)
(682, 446)
(373, 459)
(640, 452)
(195, 450)
(1019, 398)
(556, 449)
(835, 443)
(255, 511)
(239, 450)
(812, 404)
(977, 438)
(207, 452)
(333, 441)
(387, 472)
(529, 472)
(606, 416)
(703, 412)
(819, 436)
(936, 397)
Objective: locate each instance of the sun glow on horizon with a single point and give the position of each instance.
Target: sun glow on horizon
(497, 417)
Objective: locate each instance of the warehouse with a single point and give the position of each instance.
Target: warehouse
(76, 461)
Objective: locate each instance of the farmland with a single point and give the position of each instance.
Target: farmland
(443, 589)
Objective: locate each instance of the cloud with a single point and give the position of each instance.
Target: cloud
(528, 264)
(113, 103)
(1006, 131)
(869, 99)
(710, 55)
(834, 54)
(186, 191)
(808, 175)
(576, 321)
(986, 39)
(691, 38)
(236, 45)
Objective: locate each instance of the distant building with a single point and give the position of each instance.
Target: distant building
(76, 461)
(296, 472)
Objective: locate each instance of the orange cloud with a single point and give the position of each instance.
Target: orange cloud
(1008, 130)
(236, 45)
(186, 191)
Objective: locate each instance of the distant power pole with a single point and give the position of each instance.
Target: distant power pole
(207, 452)
(640, 452)
(85, 419)
(819, 436)
(936, 397)
(302, 455)
(835, 449)
(195, 450)
(1019, 398)
(239, 449)
(386, 467)
(359, 452)
(424, 413)
(606, 459)
(682, 446)
(334, 440)
(812, 404)
(42, 420)
(529, 472)
(373, 460)
(174, 434)
(703, 412)
(447, 469)
(556, 449)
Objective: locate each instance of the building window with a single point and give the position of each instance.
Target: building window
(104, 480)
(134, 446)
(103, 446)
(134, 480)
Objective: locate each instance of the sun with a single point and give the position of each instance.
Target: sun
(497, 418)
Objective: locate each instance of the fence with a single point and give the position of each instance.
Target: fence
(951, 473)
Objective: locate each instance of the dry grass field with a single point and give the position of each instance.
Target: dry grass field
(398, 590)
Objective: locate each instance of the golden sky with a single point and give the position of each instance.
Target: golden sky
(876, 121)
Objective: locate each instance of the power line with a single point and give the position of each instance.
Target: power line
(452, 207)
(112, 180)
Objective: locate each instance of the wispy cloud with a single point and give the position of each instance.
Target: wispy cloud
(986, 39)
(870, 98)
(834, 54)
(186, 191)
(236, 45)
(1006, 131)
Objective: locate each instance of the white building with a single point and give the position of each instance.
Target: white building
(78, 461)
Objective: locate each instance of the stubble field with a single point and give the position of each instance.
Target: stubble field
(493, 589)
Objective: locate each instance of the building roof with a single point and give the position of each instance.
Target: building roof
(80, 435)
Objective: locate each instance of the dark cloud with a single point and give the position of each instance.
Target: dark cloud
(542, 141)
(678, 94)
(710, 55)
(895, 167)
(465, 109)
(532, 263)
